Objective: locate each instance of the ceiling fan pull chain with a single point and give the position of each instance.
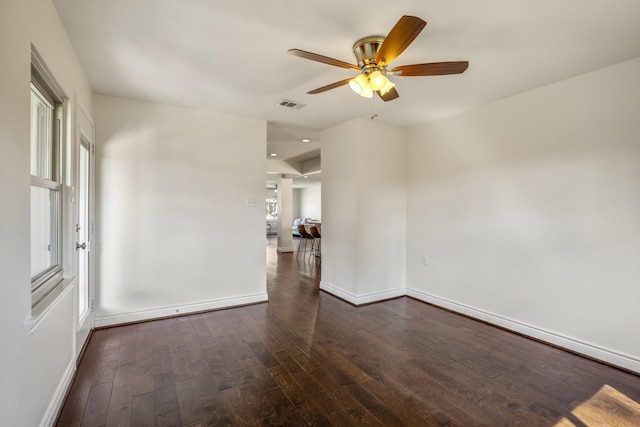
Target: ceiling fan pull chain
(375, 113)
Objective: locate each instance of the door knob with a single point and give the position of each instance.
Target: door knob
(81, 246)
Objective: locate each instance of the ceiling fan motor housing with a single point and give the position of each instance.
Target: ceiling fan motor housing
(365, 51)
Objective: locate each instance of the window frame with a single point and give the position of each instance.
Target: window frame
(49, 91)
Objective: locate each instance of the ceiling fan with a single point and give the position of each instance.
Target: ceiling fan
(375, 53)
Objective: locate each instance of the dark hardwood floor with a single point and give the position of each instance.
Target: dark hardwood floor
(307, 358)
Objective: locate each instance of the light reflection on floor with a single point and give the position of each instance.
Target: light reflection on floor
(608, 407)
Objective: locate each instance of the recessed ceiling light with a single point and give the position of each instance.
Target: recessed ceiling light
(273, 154)
(306, 140)
(306, 176)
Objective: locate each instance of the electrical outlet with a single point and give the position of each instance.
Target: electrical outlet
(425, 260)
(251, 203)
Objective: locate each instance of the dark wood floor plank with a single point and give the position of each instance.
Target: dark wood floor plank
(72, 410)
(112, 339)
(173, 339)
(403, 403)
(143, 373)
(607, 373)
(239, 409)
(528, 403)
(166, 397)
(126, 354)
(225, 349)
(161, 360)
(288, 386)
(180, 366)
(286, 411)
(189, 401)
(263, 354)
(318, 402)
(215, 329)
(172, 419)
(218, 413)
(159, 332)
(106, 368)
(261, 378)
(190, 342)
(307, 358)
(121, 395)
(74, 405)
(97, 406)
(341, 364)
(143, 412)
(366, 399)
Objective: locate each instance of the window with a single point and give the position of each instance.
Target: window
(46, 182)
(272, 208)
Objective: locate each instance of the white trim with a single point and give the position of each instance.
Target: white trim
(82, 317)
(116, 319)
(285, 249)
(587, 349)
(362, 299)
(47, 304)
(58, 397)
(44, 75)
(85, 128)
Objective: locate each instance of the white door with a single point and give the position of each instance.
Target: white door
(85, 228)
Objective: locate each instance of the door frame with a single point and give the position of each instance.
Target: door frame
(85, 131)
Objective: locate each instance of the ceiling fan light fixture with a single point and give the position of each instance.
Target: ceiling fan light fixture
(355, 86)
(367, 92)
(359, 84)
(387, 87)
(377, 80)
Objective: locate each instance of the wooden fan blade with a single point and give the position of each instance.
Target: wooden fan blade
(432, 69)
(320, 58)
(389, 96)
(400, 37)
(329, 87)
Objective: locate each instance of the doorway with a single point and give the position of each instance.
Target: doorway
(85, 229)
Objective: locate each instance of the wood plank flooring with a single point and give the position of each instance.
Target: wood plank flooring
(307, 358)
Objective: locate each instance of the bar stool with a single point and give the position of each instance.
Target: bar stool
(304, 237)
(317, 239)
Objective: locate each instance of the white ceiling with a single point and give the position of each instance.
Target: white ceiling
(231, 56)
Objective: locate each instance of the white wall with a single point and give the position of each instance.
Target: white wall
(295, 203)
(175, 230)
(37, 364)
(363, 214)
(285, 202)
(340, 216)
(529, 212)
(310, 200)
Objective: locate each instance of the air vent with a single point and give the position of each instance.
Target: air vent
(291, 104)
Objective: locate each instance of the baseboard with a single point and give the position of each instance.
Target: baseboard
(362, 299)
(571, 344)
(138, 316)
(55, 405)
(286, 249)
